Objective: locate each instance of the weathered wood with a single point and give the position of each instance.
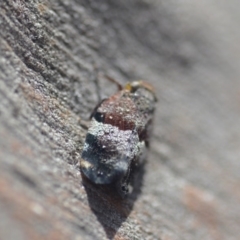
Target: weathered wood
(53, 55)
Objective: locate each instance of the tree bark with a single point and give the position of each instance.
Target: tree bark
(53, 56)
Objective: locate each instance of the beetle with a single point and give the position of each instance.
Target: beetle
(118, 136)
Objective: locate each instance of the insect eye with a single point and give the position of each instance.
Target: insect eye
(99, 117)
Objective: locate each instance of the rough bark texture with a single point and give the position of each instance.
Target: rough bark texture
(52, 58)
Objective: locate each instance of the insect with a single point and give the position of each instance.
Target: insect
(118, 136)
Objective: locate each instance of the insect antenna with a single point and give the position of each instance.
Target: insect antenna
(119, 85)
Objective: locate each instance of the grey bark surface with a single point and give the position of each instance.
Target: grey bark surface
(53, 55)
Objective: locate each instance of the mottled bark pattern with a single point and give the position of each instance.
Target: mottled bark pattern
(53, 56)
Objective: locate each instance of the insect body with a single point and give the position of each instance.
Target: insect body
(119, 135)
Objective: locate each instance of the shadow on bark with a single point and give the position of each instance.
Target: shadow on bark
(110, 209)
